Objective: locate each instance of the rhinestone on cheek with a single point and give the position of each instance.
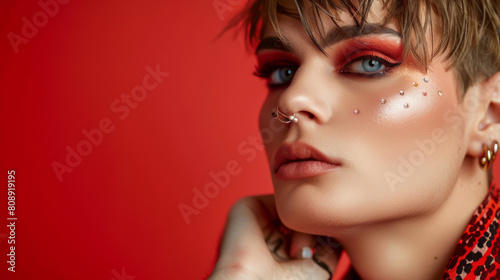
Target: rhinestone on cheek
(401, 92)
(406, 106)
(440, 93)
(424, 93)
(382, 101)
(356, 112)
(426, 79)
(415, 84)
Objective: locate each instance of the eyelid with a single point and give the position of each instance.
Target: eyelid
(389, 50)
(276, 56)
(265, 69)
(361, 58)
(266, 72)
(388, 67)
(270, 61)
(355, 56)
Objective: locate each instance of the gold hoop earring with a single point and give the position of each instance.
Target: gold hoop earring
(490, 155)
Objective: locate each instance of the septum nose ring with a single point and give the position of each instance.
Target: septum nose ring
(284, 118)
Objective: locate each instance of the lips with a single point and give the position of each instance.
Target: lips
(295, 161)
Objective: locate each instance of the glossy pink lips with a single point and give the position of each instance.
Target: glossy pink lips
(298, 160)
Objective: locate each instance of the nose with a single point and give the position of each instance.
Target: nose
(308, 96)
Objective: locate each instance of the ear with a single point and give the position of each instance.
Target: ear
(486, 125)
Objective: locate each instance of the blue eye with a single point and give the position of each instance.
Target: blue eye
(278, 73)
(372, 65)
(282, 75)
(368, 65)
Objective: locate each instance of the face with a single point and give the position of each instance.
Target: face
(378, 138)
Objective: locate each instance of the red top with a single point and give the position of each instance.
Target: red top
(477, 252)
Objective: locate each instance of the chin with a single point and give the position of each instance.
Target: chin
(318, 209)
(315, 207)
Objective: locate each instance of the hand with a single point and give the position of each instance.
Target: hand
(257, 246)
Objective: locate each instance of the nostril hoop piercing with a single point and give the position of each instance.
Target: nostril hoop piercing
(284, 118)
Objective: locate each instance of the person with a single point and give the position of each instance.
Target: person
(385, 117)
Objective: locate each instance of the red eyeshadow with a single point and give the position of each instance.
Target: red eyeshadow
(276, 56)
(389, 48)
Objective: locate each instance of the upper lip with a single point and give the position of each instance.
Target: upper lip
(299, 151)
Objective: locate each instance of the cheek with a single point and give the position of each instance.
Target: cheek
(414, 104)
(409, 111)
(408, 143)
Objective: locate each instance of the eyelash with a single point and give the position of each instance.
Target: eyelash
(388, 66)
(265, 69)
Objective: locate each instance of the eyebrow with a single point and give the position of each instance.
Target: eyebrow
(333, 36)
(273, 43)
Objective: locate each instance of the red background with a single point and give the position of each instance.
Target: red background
(116, 214)
(119, 207)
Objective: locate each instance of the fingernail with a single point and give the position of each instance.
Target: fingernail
(305, 253)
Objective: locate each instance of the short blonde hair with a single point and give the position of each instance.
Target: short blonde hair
(468, 29)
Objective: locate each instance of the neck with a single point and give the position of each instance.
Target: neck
(417, 247)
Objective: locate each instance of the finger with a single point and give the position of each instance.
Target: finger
(304, 269)
(301, 245)
(326, 259)
(327, 253)
(277, 244)
(243, 236)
